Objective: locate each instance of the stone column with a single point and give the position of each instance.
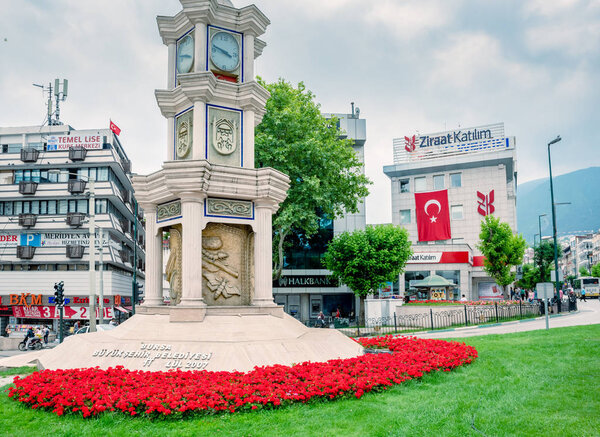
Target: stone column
(263, 258)
(170, 138)
(154, 273)
(198, 131)
(249, 138)
(192, 205)
(200, 47)
(248, 57)
(172, 50)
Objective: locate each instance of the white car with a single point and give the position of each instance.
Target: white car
(104, 327)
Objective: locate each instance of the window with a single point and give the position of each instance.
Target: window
(62, 206)
(420, 184)
(63, 176)
(103, 174)
(438, 182)
(405, 186)
(52, 207)
(404, 216)
(456, 212)
(455, 180)
(18, 208)
(101, 206)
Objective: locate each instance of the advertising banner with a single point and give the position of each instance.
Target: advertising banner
(65, 142)
(489, 291)
(52, 312)
(56, 239)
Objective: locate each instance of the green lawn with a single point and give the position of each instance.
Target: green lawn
(532, 383)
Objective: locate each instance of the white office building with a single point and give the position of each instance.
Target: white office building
(306, 287)
(45, 175)
(443, 185)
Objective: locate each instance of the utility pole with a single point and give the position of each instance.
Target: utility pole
(92, 250)
(101, 280)
(556, 278)
(134, 277)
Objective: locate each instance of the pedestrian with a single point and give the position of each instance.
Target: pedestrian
(512, 293)
(337, 313)
(29, 336)
(583, 294)
(463, 298)
(321, 319)
(76, 326)
(522, 294)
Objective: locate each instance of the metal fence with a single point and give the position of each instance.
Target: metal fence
(464, 315)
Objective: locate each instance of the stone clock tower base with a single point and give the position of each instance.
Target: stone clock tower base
(206, 338)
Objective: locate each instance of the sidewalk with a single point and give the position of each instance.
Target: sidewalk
(588, 314)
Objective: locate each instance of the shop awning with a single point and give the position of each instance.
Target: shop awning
(123, 310)
(433, 281)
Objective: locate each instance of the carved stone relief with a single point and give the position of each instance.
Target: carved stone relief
(227, 264)
(224, 136)
(168, 210)
(174, 264)
(183, 135)
(228, 207)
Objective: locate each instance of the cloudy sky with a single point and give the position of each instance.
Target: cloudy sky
(425, 65)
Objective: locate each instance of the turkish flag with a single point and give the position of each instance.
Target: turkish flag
(114, 128)
(433, 215)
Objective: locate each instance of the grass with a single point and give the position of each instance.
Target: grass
(18, 371)
(531, 383)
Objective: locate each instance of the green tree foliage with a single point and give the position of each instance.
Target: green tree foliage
(583, 271)
(325, 173)
(596, 271)
(502, 249)
(366, 258)
(531, 276)
(544, 259)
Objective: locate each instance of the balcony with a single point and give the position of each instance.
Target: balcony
(75, 219)
(124, 223)
(27, 220)
(126, 163)
(76, 186)
(29, 154)
(25, 252)
(77, 153)
(126, 256)
(75, 251)
(27, 188)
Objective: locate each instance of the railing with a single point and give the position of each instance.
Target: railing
(431, 320)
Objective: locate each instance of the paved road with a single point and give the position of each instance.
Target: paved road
(588, 314)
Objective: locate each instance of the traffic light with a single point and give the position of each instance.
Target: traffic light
(137, 291)
(59, 298)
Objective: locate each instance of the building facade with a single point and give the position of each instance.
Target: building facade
(306, 287)
(45, 175)
(443, 185)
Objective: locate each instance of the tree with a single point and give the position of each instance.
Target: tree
(326, 175)
(502, 250)
(366, 258)
(596, 271)
(544, 259)
(583, 271)
(531, 276)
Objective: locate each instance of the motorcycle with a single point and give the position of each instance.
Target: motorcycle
(34, 344)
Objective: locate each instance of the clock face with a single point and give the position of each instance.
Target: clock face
(185, 54)
(225, 51)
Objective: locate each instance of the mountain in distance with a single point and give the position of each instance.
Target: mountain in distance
(581, 188)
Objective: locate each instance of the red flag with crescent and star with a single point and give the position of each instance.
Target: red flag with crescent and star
(433, 215)
(114, 128)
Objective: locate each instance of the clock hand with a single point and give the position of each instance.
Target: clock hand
(225, 52)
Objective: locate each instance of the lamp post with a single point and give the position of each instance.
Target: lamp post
(540, 225)
(556, 282)
(92, 255)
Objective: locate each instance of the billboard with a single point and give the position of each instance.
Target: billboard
(65, 142)
(489, 291)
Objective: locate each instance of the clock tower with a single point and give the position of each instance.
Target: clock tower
(216, 207)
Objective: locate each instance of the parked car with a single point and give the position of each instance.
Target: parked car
(103, 327)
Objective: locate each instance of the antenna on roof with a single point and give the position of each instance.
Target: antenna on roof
(59, 96)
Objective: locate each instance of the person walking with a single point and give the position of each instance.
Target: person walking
(583, 294)
(46, 333)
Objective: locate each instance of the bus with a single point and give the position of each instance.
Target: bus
(591, 286)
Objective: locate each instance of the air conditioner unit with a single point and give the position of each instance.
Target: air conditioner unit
(25, 252)
(75, 219)
(29, 155)
(27, 187)
(76, 186)
(27, 220)
(77, 153)
(75, 251)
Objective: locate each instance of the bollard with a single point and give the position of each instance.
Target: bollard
(431, 317)
(496, 305)
(466, 318)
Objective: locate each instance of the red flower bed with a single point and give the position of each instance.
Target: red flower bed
(182, 393)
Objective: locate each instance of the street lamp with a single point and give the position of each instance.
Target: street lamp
(554, 141)
(540, 225)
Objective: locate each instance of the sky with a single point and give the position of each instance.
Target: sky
(409, 65)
